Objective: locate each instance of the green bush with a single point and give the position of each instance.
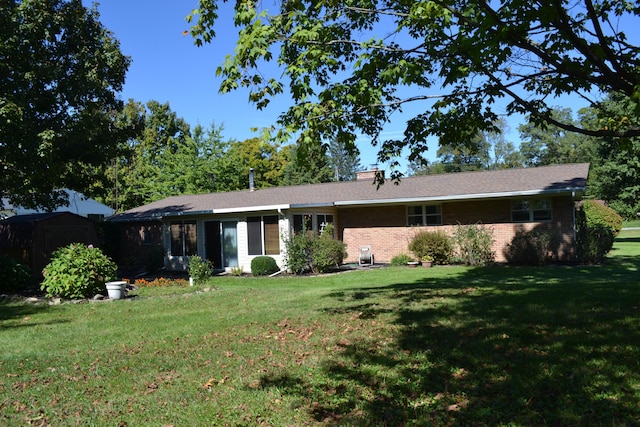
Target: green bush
(473, 244)
(299, 258)
(308, 253)
(264, 266)
(434, 244)
(598, 226)
(530, 248)
(327, 251)
(200, 269)
(15, 276)
(77, 271)
(401, 259)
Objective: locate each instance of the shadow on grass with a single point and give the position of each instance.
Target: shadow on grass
(528, 346)
(12, 314)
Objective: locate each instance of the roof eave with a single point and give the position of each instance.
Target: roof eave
(574, 191)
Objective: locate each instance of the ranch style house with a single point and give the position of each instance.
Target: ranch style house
(232, 228)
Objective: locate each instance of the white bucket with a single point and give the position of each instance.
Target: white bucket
(116, 289)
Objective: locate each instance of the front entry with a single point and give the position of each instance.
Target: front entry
(221, 243)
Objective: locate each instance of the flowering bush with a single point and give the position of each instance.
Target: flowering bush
(200, 269)
(160, 281)
(77, 271)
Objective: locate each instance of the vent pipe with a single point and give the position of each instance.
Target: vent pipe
(252, 186)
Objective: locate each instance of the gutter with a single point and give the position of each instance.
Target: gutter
(457, 197)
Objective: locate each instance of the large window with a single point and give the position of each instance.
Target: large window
(531, 210)
(183, 238)
(263, 234)
(424, 215)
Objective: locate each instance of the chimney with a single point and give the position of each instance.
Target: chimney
(369, 175)
(252, 186)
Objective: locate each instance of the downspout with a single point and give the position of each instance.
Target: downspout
(575, 225)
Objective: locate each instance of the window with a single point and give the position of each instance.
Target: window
(323, 220)
(305, 222)
(263, 235)
(302, 223)
(183, 238)
(531, 210)
(145, 235)
(424, 215)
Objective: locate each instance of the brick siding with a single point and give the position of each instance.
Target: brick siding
(385, 229)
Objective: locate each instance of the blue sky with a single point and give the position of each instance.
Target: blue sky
(168, 67)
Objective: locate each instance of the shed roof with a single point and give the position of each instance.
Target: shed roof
(555, 179)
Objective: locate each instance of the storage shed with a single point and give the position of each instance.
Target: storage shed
(32, 238)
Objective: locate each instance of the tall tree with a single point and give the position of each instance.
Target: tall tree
(350, 66)
(545, 145)
(466, 157)
(311, 166)
(615, 172)
(153, 172)
(266, 160)
(345, 164)
(60, 71)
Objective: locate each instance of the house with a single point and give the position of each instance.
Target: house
(233, 227)
(78, 204)
(32, 238)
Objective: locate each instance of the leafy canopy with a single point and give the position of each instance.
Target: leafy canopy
(60, 70)
(350, 65)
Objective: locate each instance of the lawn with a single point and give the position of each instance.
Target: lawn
(393, 346)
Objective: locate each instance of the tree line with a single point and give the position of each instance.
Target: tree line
(615, 162)
(164, 157)
(347, 70)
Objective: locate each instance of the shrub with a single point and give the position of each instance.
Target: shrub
(77, 271)
(530, 248)
(200, 269)
(436, 244)
(401, 259)
(263, 266)
(473, 244)
(299, 259)
(15, 276)
(237, 271)
(308, 253)
(598, 226)
(327, 251)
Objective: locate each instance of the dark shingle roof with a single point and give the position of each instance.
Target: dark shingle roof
(457, 186)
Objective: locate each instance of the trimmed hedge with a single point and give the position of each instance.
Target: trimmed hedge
(264, 266)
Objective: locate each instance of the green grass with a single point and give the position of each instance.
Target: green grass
(395, 346)
(634, 223)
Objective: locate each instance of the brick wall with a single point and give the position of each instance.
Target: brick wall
(385, 230)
